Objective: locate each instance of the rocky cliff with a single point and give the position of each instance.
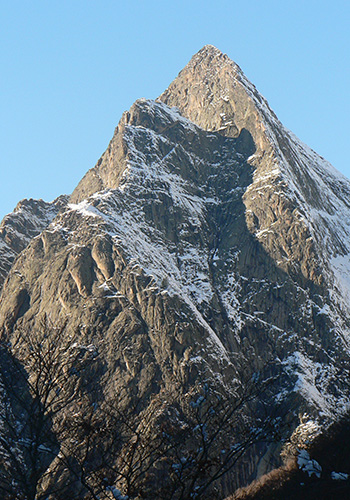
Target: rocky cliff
(206, 238)
(17, 229)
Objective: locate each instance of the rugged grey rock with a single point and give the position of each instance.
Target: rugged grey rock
(205, 233)
(17, 229)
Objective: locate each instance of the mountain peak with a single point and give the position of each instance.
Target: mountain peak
(209, 60)
(213, 92)
(213, 55)
(208, 247)
(209, 51)
(209, 48)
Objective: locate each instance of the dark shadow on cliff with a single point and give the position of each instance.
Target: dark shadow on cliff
(42, 383)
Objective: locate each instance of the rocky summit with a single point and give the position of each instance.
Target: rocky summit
(203, 264)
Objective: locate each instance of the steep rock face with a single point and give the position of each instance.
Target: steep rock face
(293, 190)
(147, 244)
(18, 228)
(206, 237)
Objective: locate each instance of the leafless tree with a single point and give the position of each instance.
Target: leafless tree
(60, 437)
(177, 447)
(39, 379)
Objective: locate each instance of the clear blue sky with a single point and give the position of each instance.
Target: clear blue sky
(69, 68)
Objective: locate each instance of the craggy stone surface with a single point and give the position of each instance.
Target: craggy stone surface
(18, 228)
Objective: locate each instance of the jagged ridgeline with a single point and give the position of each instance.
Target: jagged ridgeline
(189, 300)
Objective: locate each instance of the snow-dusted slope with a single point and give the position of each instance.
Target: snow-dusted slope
(302, 187)
(179, 216)
(320, 193)
(18, 228)
(297, 206)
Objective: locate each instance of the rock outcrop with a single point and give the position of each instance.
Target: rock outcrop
(17, 229)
